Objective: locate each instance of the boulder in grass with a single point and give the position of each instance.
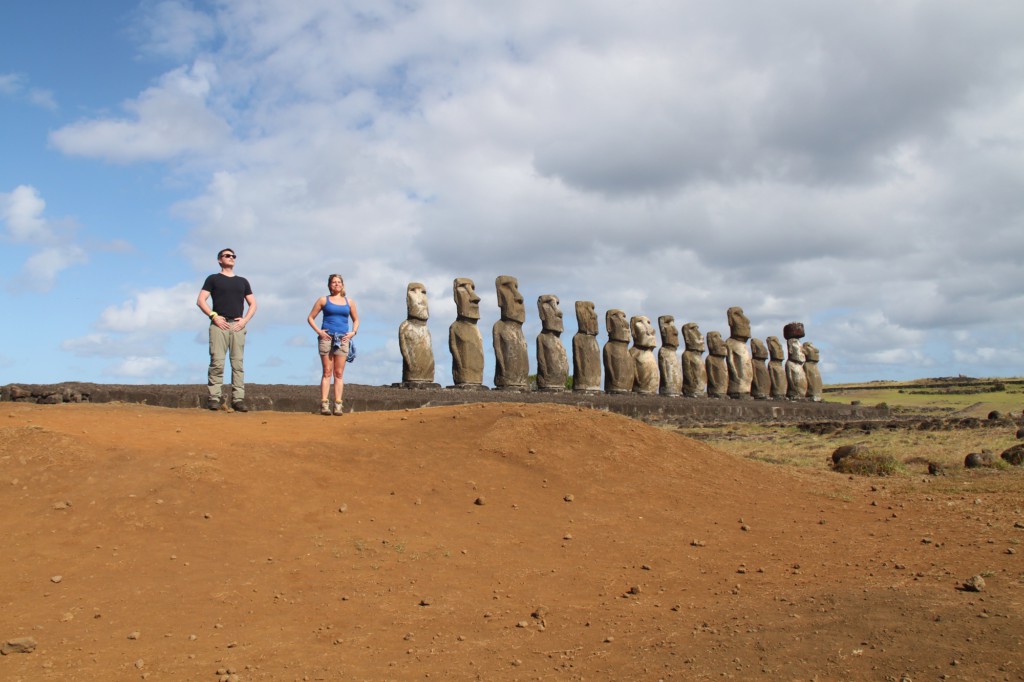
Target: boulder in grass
(844, 451)
(979, 460)
(867, 463)
(1014, 455)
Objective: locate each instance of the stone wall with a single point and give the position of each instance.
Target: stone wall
(360, 398)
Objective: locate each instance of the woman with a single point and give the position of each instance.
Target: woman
(340, 324)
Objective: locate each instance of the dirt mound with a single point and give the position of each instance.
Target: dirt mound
(492, 541)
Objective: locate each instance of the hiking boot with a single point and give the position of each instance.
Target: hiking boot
(239, 406)
(325, 407)
(213, 404)
(337, 409)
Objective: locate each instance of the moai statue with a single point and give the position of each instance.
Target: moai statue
(741, 370)
(796, 377)
(717, 366)
(669, 367)
(642, 352)
(695, 374)
(761, 385)
(811, 371)
(552, 361)
(414, 340)
(776, 368)
(464, 339)
(586, 353)
(511, 361)
(619, 370)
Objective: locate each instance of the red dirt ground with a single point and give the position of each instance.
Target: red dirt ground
(495, 542)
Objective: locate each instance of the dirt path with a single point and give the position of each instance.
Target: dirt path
(497, 541)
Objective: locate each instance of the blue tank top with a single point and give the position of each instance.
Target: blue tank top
(336, 316)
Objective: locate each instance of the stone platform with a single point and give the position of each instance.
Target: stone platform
(361, 398)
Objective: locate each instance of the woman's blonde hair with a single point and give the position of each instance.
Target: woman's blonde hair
(330, 277)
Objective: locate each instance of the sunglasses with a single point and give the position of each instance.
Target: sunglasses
(228, 255)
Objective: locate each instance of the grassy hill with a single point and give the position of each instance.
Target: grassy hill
(944, 396)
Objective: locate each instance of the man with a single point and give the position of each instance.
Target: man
(228, 293)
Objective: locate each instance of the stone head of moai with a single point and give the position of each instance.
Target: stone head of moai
(793, 330)
(550, 313)
(586, 318)
(810, 352)
(416, 301)
(467, 303)
(716, 345)
(617, 325)
(643, 332)
(668, 331)
(692, 337)
(775, 348)
(739, 325)
(509, 299)
(758, 351)
(796, 351)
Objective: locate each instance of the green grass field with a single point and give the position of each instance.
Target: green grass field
(788, 444)
(936, 397)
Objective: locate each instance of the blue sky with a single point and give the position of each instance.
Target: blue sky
(857, 167)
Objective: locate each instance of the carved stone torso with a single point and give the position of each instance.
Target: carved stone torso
(717, 366)
(619, 370)
(814, 385)
(645, 363)
(776, 369)
(646, 368)
(467, 347)
(760, 385)
(670, 371)
(737, 355)
(718, 376)
(586, 353)
(552, 362)
(740, 368)
(796, 377)
(811, 371)
(417, 352)
(779, 383)
(586, 363)
(695, 374)
(464, 339)
(511, 361)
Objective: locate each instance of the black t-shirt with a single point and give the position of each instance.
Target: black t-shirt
(228, 294)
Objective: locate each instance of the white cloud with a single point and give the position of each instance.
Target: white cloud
(43, 267)
(143, 368)
(979, 356)
(173, 28)
(153, 311)
(44, 99)
(17, 87)
(857, 168)
(9, 83)
(167, 120)
(107, 345)
(22, 213)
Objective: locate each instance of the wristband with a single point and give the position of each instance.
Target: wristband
(213, 314)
